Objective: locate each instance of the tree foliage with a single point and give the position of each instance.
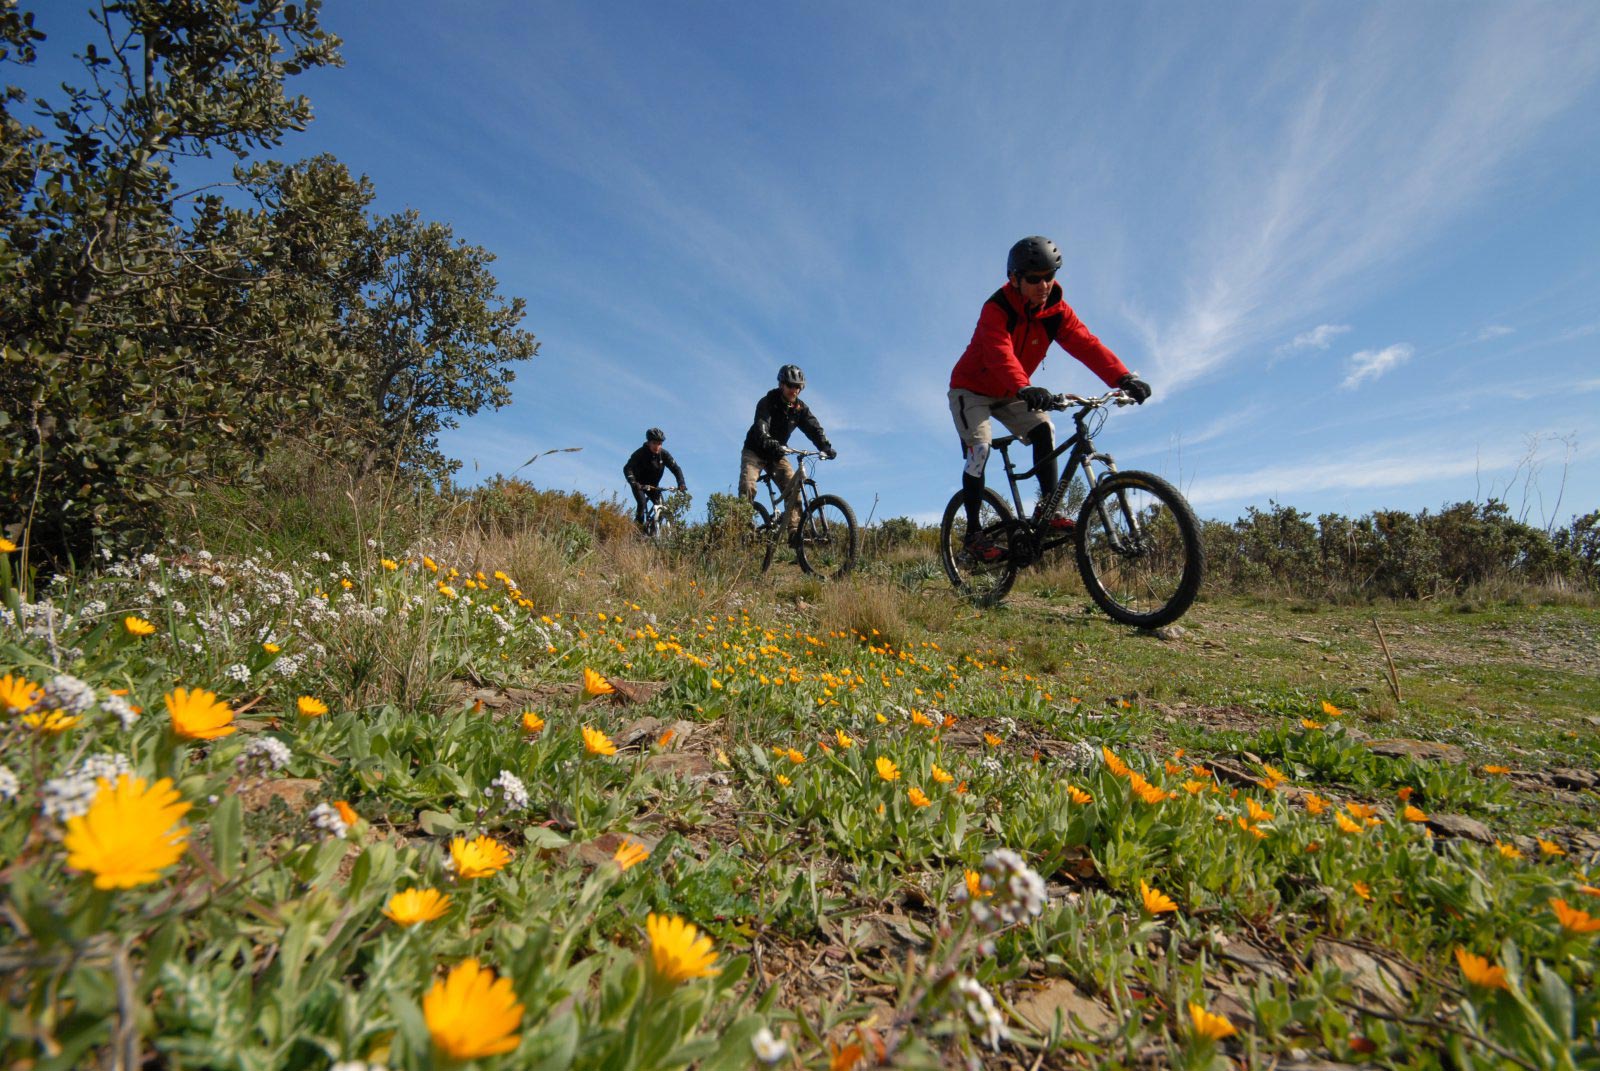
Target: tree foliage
(153, 336)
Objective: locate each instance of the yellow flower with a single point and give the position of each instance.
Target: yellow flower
(1499, 771)
(417, 905)
(6, 546)
(1361, 810)
(678, 951)
(1362, 889)
(18, 693)
(887, 769)
(389, 564)
(137, 626)
(630, 854)
(1476, 970)
(311, 707)
(1572, 919)
(471, 1013)
(1194, 788)
(782, 780)
(917, 797)
(1078, 795)
(1347, 824)
(531, 722)
(1146, 791)
(50, 721)
(1117, 767)
(940, 775)
(431, 565)
(1309, 724)
(594, 684)
(1413, 813)
(844, 738)
(1550, 847)
(1330, 710)
(919, 718)
(1510, 851)
(976, 889)
(794, 755)
(1209, 1025)
(991, 739)
(446, 590)
(596, 742)
(129, 833)
(1315, 804)
(271, 648)
(199, 714)
(478, 858)
(1155, 901)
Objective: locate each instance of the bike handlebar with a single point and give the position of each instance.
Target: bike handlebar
(1116, 396)
(805, 453)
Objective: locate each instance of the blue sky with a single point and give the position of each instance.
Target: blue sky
(1355, 248)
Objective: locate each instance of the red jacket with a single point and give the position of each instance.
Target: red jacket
(1010, 342)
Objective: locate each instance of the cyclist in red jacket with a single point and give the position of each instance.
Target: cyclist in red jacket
(1015, 329)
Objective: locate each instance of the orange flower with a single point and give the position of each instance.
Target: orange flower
(1346, 824)
(1155, 901)
(1572, 919)
(311, 707)
(1476, 970)
(1257, 812)
(1361, 810)
(1510, 851)
(471, 1013)
(199, 714)
(940, 775)
(594, 684)
(1405, 794)
(846, 741)
(1362, 889)
(1309, 724)
(1330, 710)
(887, 769)
(138, 626)
(1315, 804)
(596, 742)
(1117, 767)
(1550, 847)
(478, 858)
(531, 722)
(917, 797)
(1414, 814)
(1209, 1025)
(991, 739)
(415, 906)
(18, 694)
(1078, 795)
(1498, 771)
(630, 854)
(347, 813)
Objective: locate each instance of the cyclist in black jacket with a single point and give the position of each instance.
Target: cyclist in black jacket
(643, 472)
(778, 414)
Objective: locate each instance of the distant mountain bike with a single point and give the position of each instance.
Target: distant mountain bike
(826, 542)
(1136, 540)
(661, 520)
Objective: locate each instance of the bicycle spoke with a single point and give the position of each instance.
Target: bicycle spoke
(1140, 553)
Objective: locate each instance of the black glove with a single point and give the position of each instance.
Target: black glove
(1136, 388)
(829, 452)
(1036, 398)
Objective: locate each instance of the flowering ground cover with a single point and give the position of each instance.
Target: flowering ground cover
(415, 810)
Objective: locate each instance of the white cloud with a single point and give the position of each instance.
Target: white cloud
(1395, 464)
(1370, 364)
(1319, 338)
(1494, 331)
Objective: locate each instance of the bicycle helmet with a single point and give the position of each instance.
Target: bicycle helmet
(1035, 254)
(791, 376)
(655, 435)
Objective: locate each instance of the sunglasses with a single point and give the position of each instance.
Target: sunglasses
(1045, 277)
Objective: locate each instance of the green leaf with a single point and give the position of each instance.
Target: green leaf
(226, 823)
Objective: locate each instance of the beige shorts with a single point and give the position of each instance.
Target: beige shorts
(971, 412)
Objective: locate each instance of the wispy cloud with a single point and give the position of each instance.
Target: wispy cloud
(1395, 464)
(1370, 364)
(1494, 331)
(1318, 338)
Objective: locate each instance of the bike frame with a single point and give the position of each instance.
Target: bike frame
(1084, 457)
(775, 493)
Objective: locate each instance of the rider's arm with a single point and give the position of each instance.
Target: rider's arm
(673, 466)
(807, 422)
(627, 470)
(763, 427)
(1079, 341)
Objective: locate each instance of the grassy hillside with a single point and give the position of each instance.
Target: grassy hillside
(906, 832)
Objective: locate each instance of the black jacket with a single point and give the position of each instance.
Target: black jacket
(645, 468)
(776, 420)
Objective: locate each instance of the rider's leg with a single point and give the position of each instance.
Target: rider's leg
(789, 479)
(749, 472)
(972, 483)
(1043, 439)
(638, 506)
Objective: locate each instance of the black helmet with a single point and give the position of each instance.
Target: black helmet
(655, 435)
(791, 376)
(1035, 254)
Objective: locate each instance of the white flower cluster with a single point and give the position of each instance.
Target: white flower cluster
(1017, 892)
(990, 764)
(119, 706)
(509, 789)
(768, 1049)
(238, 672)
(93, 608)
(67, 694)
(326, 817)
(109, 767)
(264, 755)
(287, 665)
(980, 1008)
(67, 797)
(1080, 755)
(9, 785)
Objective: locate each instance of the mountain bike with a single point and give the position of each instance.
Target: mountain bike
(826, 541)
(1135, 538)
(661, 519)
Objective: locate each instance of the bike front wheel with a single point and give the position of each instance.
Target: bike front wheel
(828, 538)
(985, 582)
(1139, 550)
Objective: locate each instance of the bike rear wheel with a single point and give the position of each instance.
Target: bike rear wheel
(1139, 550)
(828, 538)
(986, 583)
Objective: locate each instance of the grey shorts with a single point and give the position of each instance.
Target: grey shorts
(972, 413)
